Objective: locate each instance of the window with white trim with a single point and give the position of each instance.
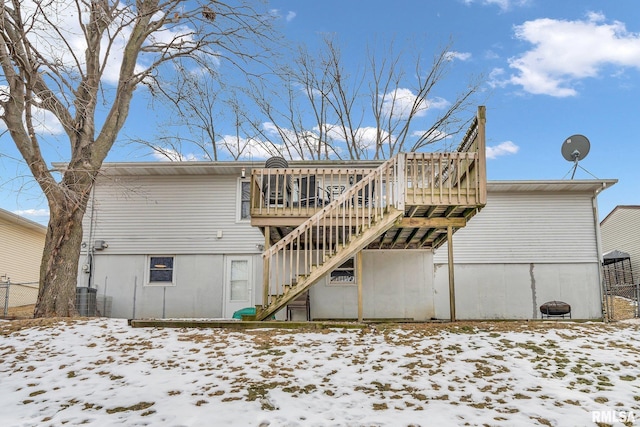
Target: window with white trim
(345, 274)
(161, 270)
(244, 197)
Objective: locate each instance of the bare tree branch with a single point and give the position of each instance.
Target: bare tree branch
(76, 58)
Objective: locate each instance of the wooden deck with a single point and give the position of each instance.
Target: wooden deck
(437, 190)
(314, 219)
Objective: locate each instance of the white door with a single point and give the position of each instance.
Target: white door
(238, 284)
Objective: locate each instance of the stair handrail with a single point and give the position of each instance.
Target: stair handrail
(394, 164)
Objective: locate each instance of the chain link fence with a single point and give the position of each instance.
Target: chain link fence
(621, 294)
(89, 303)
(17, 300)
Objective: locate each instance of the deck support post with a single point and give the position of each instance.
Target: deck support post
(359, 281)
(452, 290)
(482, 155)
(265, 267)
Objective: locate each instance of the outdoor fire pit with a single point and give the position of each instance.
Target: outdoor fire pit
(555, 309)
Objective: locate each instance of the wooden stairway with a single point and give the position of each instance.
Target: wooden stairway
(334, 234)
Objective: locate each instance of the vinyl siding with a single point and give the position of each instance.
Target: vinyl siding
(198, 289)
(526, 228)
(516, 291)
(169, 215)
(20, 251)
(621, 231)
(396, 284)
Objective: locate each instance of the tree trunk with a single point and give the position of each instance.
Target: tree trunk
(59, 267)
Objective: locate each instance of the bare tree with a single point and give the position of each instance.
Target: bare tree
(208, 119)
(66, 69)
(194, 99)
(324, 109)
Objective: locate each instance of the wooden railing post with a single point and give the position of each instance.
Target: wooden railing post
(265, 267)
(452, 282)
(359, 281)
(482, 155)
(400, 174)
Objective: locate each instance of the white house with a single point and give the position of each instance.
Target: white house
(419, 236)
(175, 240)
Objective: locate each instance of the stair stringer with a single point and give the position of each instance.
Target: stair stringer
(392, 216)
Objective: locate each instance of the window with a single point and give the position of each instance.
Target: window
(239, 281)
(345, 274)
(244, 200)
(161, 270)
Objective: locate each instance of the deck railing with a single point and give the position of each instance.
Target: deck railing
(299, 192)
(437, 179)
(332, 228)
(431, 179)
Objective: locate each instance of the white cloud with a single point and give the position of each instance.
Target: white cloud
(170, 155)
(496, 78)
(278, 14)
(401, 101)
(504, 5)
(47, 123)
(434, 136)
(270, 128)
(250, 148)
(365, 138)
(32, 212)
(63, 42)
(565, 52)
(44, 121)
(502, 149)
(491, 54)
(368, 136)
(462, 56)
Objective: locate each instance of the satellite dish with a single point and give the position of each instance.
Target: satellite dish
(574, 149)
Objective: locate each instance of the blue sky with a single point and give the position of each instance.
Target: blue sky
(552, 69)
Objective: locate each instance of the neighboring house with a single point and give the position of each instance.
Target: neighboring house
(366, 240)
(620, 231)
(20, 256)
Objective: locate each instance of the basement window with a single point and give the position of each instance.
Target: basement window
(161, 271)
(345, 274)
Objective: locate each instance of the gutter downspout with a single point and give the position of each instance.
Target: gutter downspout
(603, 298)
(90, 246)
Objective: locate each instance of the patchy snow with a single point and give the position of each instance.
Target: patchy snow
(104, 373)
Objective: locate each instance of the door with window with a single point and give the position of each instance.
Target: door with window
(238, 284)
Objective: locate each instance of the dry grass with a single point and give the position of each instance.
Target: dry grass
(21, 312)
(623, 309)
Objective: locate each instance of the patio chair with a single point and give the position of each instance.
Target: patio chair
(311, 194)
(276, 188)
(301, 302)
(362, 197)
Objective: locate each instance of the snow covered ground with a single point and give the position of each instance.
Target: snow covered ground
(104, 373)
